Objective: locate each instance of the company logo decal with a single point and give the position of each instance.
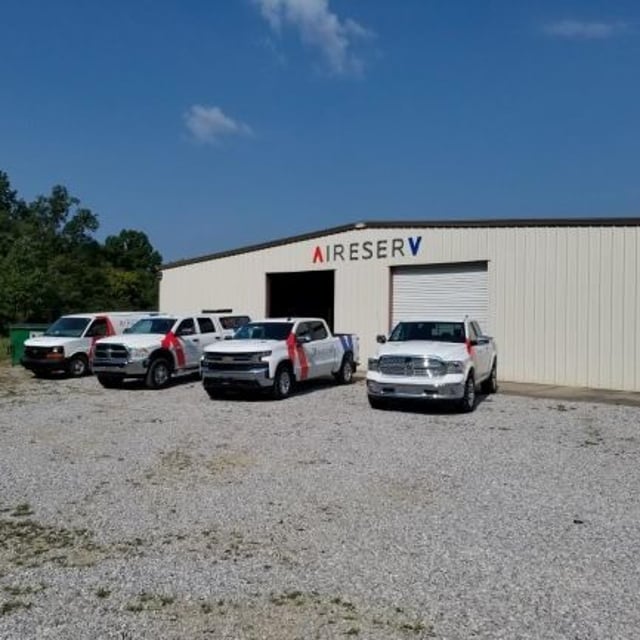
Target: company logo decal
(368, 250)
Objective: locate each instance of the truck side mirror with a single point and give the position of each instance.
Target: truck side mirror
(303, 339)
(381, 338)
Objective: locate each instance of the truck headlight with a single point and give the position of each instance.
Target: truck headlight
(373, 364)
(454, 367)
(138, 354)
(56, 349)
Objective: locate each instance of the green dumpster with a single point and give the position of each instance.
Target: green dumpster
(18, 333)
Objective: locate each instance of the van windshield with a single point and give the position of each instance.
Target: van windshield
(68, 327)
(436, 331)
(264, 331)
(152, 325)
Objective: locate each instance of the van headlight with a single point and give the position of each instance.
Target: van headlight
(454, 367)
(373, 364)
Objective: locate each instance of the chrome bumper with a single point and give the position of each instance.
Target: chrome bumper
(126, 369)
(417, 391)
(251, 378)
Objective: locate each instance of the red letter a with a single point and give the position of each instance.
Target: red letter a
(317, 255)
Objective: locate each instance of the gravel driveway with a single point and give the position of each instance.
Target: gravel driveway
(138, 514)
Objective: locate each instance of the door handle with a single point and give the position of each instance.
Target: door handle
(196, 340)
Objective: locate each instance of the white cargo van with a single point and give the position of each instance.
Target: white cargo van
(68, 344)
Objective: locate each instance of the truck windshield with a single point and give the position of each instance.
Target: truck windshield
(68, 327)
(152, 325)
(264, 331)
(436, 331)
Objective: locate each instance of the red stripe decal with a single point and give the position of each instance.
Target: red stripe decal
(171, 342)
(297, 351)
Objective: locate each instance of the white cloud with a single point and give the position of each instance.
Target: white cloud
(318, 27)
(580, 30)
(209, 124)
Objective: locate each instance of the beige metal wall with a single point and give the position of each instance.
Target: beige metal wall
(564, 305)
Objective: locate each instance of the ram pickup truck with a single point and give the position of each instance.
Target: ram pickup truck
(272, 355)
(159, 347)
(68, 344)
(440, 359)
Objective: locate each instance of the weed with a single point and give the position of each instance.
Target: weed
(103, 592)
(12, 606)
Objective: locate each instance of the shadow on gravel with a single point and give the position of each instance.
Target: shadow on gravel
(430, 408)
(300, 389)
(137, 384)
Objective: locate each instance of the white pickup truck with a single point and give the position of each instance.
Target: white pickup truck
(274, 354)
(160, 346)
(427, 360)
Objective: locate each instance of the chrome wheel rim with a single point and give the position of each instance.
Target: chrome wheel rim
(285, 383)
(348, 372)
(471, 393)
(160, 374)
(77, 367)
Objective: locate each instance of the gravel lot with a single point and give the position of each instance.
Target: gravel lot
(137, 514)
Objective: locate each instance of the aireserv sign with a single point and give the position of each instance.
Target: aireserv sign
(368, 250)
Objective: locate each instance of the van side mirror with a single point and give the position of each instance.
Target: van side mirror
(381, 338)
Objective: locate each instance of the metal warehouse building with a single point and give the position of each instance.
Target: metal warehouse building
(560, 296)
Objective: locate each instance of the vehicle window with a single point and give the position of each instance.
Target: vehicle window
(304, 331)
(437, 331)
(68, 327)
(99, 328)
(477, 329)
(318, 331)
(206, 325)
(152, 325)
(186, 328)
(234, 322)
(264, 331)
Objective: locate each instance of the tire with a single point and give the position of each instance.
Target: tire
(490, 385)
(345, 373)
(110, 382)
(283, 382)
(468, 401)
(78, 366)
(378, 403)
(159, 374)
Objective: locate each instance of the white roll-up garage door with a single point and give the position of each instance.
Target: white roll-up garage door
(453, 290)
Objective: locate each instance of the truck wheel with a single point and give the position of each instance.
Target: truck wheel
(468, 401)
(378, 403)
(159, 374)
(77, 366)
(345, 373)
(283, 382)
(490, 385)
(110, 382)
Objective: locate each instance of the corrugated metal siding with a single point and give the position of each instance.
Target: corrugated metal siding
(564, 305)
(445, 291)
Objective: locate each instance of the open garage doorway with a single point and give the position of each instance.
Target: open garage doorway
(301, 293)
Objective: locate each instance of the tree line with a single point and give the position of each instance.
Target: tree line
(51, 262)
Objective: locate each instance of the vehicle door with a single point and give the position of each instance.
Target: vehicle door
(480, 350)
(208, 332)
(304, 364)
(99, 328)
(189, 339)
(326, 350)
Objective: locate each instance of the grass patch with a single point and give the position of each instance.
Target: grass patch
(5, 357)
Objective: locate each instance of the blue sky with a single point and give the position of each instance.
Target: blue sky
(214, 124)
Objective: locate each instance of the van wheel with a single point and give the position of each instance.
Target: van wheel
(110, 382)
(283, 382)
(490, 385)
(468, 401)
(345, 373)
(159, 374)
(77, 366)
